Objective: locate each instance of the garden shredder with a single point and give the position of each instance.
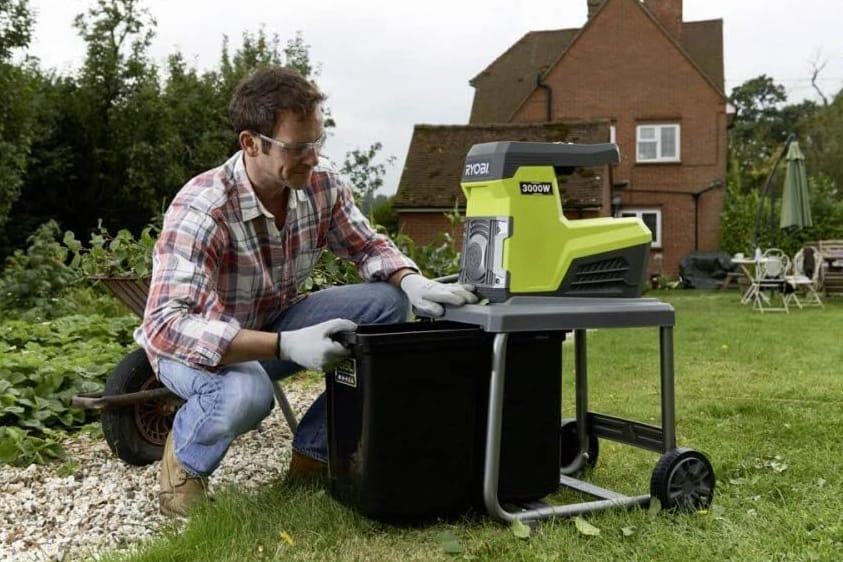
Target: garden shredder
(431, 418)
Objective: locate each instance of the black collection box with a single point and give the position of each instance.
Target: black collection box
(407, 419)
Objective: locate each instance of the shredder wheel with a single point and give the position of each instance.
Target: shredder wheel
(569, 446)
(683, 480)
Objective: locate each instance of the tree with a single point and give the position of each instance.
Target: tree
(15, 26)
(756, 130)
(823, 142)
(16, 99)
(365, 173)
(118, 140)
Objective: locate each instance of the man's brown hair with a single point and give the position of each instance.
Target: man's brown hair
(260, 98)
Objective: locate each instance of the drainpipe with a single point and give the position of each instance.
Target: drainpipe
(715, 184)
(549, 91)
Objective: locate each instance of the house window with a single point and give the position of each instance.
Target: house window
(657, 143)
(652, 219)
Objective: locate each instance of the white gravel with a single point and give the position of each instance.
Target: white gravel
(107, 504)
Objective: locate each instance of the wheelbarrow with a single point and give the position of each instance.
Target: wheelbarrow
(137, 410)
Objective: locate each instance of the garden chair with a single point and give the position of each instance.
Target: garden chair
(771, 281)
(804, 277)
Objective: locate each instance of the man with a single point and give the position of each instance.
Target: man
(224, 315)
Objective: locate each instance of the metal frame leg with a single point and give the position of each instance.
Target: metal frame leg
(286, 409)
(667, 387)
(491, 472)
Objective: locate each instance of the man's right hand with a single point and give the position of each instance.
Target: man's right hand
(312, 347)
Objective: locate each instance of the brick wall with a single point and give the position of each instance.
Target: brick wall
(425, 228)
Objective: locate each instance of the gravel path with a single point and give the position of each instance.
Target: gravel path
(108, 504)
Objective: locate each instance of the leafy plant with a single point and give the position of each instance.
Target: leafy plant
(121, 255)
(42, 367)
(37, 277)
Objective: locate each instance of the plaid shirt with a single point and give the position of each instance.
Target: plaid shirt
(220, 264)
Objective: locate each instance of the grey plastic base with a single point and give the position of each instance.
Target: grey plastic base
(525, 314)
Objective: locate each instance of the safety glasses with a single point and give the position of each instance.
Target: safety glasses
(297, 150)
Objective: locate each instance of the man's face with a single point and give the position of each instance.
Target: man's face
(293, 151)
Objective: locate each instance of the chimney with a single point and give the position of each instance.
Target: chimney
(592, 6)
(669, 14)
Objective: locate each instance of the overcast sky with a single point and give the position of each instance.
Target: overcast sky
(390, 64)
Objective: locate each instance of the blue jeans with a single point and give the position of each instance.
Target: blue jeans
(223, 404)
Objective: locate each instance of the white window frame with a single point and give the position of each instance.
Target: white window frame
(657, 139)
(639, 213)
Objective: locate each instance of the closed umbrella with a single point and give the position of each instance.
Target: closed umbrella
(796, 207)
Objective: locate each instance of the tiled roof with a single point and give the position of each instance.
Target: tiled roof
(703, 41)
(503, 85)
(501, 88)
(432, 172)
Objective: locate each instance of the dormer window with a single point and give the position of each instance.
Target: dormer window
(657, 143)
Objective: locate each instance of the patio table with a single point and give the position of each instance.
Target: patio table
(748, 267)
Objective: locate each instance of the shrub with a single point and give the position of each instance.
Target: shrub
(35, 279)
(121, 255)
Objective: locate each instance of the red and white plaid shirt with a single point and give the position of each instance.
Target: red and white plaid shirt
(220, 264)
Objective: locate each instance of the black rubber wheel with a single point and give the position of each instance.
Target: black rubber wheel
(683, 480)
(569, 446)
(136, 433)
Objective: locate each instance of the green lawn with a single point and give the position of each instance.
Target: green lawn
(761, 396)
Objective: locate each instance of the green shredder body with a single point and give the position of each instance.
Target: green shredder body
(518, 242)
(407, 420)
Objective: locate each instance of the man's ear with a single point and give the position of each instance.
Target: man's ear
(249, 143)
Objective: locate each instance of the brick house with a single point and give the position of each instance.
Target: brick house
(635, 68)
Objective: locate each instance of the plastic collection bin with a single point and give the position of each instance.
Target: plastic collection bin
(407, 419)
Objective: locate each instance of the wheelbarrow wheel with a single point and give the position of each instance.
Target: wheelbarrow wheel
(136, 433)
(569, 446)
(683, 480)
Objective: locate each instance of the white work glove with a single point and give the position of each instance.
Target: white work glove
(428, 296)
(312, 347)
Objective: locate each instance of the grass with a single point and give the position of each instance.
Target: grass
(760, 395)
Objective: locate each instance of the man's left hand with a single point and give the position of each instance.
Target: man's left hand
(428, 296)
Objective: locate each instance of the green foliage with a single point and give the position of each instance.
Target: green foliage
(737, 223)
(42, 366)
(329, 272)
(36, 278)
(121, 255)
(365, 174)
(822, 142)
(16, 21)
(17, 100)
(437, 259)
(385, 215)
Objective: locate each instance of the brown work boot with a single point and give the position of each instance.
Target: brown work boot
(179, 491)
(306, 470)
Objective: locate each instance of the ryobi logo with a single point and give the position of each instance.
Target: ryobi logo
(476, 169)
(346, 373)
(544, 188)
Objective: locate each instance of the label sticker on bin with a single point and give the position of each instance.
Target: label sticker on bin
(346, 373)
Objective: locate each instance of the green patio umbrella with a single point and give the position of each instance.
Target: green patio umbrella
(796, 207)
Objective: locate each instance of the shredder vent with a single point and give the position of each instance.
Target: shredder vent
(607, 274)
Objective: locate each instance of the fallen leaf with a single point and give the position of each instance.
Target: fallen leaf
(586, 528)
(520, 530)
(285, 536)
(628, 531)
